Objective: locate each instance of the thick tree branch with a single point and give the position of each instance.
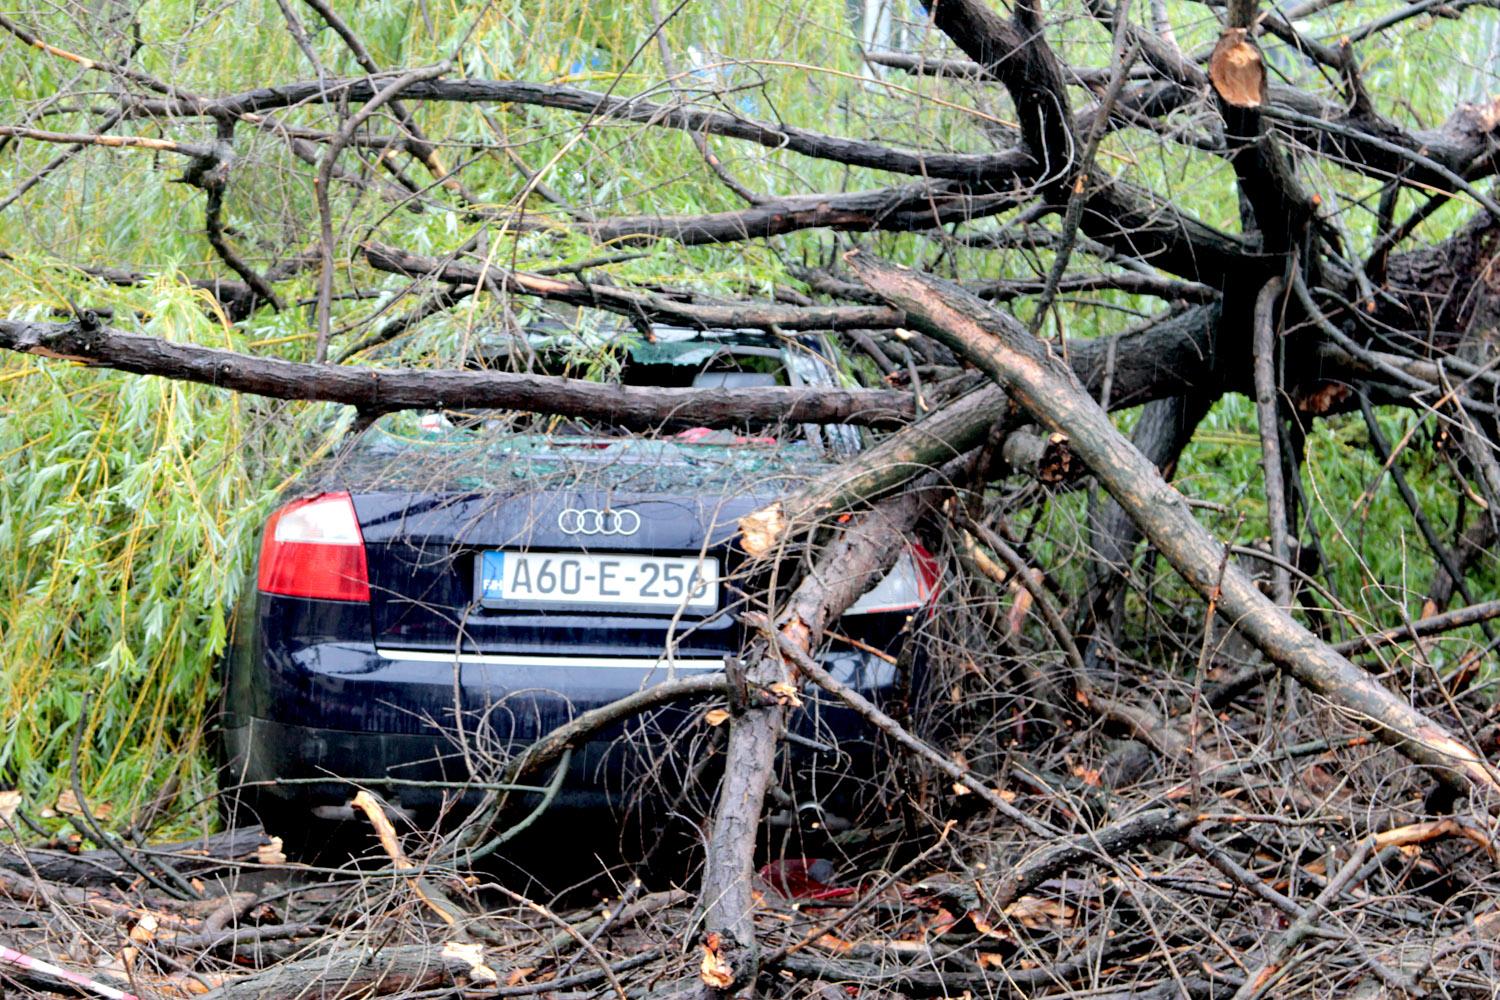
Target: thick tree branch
(846, 568)
(1048, 390)
(895, 209)
(658, 307)
(377, 390)
(1016, 53)
(1175, 357)
(971, 167)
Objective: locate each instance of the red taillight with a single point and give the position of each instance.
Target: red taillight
(911, 583)
(313, 548)
(929, 572)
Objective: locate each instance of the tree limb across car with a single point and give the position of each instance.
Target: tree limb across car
(383, 390)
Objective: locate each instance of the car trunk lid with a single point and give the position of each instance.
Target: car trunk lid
(438, 508)
(428, 554)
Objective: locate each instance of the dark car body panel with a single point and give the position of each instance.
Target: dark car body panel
(302, 711)
(401, 692)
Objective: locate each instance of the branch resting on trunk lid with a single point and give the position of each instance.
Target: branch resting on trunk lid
(574, 732)
(379, 390)
(1177, 355)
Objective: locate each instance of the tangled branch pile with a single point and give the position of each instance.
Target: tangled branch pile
(1146, 761)
(1208, 855)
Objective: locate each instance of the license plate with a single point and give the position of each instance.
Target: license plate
(577, 579)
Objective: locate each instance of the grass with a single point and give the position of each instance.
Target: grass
(126, 518)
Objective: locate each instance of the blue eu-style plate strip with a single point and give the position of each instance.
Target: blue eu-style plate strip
(491, 576)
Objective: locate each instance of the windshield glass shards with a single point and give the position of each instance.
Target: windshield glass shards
(423, 451)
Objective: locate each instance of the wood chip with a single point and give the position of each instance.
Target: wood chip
(715, 972)
(760, 529)
(270, 854)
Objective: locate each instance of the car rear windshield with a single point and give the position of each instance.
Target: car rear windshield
(678, 357)
(432, 451)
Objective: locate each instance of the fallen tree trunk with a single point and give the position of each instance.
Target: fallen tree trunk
(845, 569)
(377, 390)
(1176, 356)
(103, 867)
(353, 972)
(1042, 384)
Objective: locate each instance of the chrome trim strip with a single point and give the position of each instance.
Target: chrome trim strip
(540, 660)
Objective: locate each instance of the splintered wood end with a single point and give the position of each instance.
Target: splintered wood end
(760, 529)
(1237, 71)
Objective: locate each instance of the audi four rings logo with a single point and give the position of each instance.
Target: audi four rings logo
(589, 521)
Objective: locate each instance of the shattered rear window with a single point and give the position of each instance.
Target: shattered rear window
(428, 451)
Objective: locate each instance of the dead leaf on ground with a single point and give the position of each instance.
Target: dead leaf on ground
(986, 928)
(10, 801)
(1088, 775)
(941, 923)
(144, 929)
(835, 943)
(68, 805)
(1035, 912)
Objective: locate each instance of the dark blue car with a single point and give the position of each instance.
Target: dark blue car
(450, 588)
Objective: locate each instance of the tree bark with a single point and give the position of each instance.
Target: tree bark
(1179, 355)
(670, 307)
(103, 867)
(355, 972)
(1162, 431)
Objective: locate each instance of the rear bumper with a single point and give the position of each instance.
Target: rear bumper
(285, 769)
(305, 727)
